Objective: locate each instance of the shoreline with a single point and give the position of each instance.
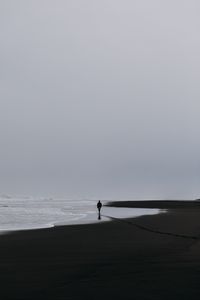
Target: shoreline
(106, 260)
(87, 219)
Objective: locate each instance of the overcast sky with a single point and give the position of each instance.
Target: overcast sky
(100, 99)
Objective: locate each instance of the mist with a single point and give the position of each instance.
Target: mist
(100, 99)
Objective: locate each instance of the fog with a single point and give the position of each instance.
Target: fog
(100, 99)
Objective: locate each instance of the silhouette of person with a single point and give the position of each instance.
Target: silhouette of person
(99, 206)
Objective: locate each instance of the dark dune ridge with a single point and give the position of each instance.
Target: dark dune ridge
(112, 260)
(161, 204)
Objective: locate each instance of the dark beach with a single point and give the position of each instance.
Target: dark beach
(150, 257)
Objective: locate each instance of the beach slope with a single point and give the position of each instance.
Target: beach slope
(107, 260)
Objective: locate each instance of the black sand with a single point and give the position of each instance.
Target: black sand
(113, 260)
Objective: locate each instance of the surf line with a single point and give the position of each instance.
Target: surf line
(153, 230)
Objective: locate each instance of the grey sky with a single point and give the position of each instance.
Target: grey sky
(100, 99)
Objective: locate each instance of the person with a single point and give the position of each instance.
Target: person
(99, 206)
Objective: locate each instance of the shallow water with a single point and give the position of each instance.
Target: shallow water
(31, 213)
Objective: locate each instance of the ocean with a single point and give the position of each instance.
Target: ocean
(23, 213)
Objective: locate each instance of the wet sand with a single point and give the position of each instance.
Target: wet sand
(111, 260)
